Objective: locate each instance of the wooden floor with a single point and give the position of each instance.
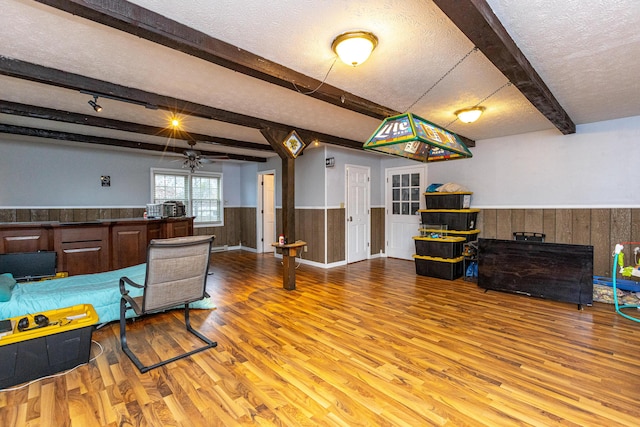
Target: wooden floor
(366, 344)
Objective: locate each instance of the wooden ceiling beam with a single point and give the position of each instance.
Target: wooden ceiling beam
(478, 22)
(32, 111)
(51, 76)
(146, 24)
(113, 142)
(143, 23)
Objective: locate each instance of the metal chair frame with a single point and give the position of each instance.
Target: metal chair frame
(128, 303)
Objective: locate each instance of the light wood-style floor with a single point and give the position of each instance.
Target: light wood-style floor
(366, 344)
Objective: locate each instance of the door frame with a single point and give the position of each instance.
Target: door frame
(261, 244)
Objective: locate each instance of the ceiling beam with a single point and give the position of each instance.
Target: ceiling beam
(54, 77)
(113, 142)
(478, 22)
(148, 25)
(32, 111)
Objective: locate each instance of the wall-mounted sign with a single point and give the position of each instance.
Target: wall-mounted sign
(293, 144)
(330, 162)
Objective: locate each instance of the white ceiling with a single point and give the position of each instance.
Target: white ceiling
(586, 51)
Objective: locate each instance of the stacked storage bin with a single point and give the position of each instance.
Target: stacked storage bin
(439, 247)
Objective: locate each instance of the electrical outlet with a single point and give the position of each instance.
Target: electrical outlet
(306, 249)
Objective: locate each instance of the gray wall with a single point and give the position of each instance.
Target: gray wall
(48, 173)
(598, 166)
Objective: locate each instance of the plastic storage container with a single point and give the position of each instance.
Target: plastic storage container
(442, 247)
(455, 219)
(39, 351)
(441, 268)
(448, 200)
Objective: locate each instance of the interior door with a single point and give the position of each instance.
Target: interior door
(404, 188)
(358, 213)
(268, 213)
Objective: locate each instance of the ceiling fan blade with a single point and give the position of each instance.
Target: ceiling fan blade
(211, 158)
(191, 153)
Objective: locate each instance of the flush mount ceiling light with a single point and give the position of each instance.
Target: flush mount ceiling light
(94, 103)
(469, 115)
(354, 47)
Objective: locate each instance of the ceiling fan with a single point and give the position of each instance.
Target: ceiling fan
(193, 159)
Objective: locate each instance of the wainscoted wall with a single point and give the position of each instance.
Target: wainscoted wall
(601, 228)
(68, 215)
(336, 235)
(309, 228)
(239, 227)
(377, 231)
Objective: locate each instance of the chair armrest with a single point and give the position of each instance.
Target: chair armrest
(123, 289)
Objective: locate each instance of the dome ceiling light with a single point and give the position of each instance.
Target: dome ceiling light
(469, 115)
(354, 47)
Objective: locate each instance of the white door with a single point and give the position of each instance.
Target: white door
(404, 194)
(267, 213)
(358, 219)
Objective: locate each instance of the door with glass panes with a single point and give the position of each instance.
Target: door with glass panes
(404, 197)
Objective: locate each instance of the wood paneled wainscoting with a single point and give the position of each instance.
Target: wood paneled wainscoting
(239, 228)
(310, 227)
(68, 214)
(601, 228)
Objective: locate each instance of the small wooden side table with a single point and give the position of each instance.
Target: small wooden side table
(289, 252)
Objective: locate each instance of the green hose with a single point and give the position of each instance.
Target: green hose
(615, 290)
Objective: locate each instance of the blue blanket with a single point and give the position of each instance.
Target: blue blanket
(100, 290)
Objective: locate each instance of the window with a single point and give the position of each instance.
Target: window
(405, 196)
(201, 193)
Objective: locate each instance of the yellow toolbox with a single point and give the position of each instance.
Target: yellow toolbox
(41, 344)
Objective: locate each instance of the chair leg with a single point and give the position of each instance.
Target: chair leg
(187, 322)
(142, 368)
(123, 337)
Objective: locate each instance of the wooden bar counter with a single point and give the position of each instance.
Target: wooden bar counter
(92, 246)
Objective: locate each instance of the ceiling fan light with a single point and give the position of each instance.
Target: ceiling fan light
(354, 47)
(469, 115)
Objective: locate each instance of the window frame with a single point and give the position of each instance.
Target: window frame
(189, 204)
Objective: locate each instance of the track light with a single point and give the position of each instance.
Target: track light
(97, 108)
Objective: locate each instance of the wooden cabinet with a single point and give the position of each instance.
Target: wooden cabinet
(82, 248)
(556, 271)
(179, 227)
(24, 238)
(128, 245)
(155, 230)
(92, 247)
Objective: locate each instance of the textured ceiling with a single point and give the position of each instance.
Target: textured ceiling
(586, 51)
